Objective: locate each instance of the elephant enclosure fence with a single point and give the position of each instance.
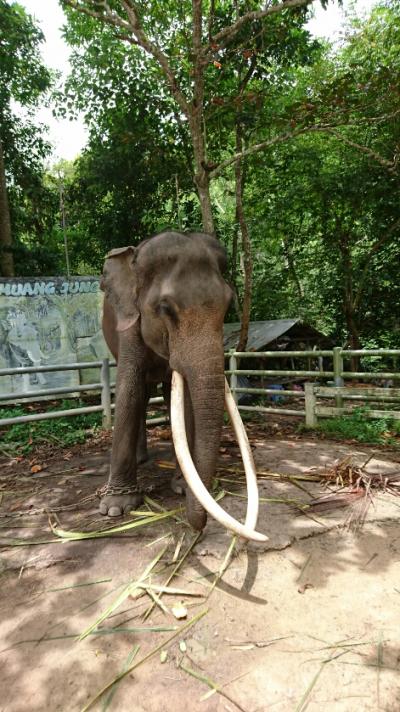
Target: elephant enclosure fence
(326, 388)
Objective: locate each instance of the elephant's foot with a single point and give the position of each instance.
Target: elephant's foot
(178, 484)
(120, 500)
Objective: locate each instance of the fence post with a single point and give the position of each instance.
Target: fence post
(106, 393)
(310, 403)
(337, 370)
(233, 376)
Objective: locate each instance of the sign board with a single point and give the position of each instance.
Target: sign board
(48, 321)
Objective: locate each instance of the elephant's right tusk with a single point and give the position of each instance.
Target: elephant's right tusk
(189, 471)
(247, 457)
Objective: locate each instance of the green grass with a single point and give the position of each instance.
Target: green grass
(22, 438)
(358, 426)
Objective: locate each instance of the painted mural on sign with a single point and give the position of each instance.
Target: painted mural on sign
(49, 321)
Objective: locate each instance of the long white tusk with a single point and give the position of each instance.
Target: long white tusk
(189, 471)
(247, 457)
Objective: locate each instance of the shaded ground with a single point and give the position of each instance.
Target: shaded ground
(308, 621)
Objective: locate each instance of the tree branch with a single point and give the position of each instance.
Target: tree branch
(198, 91)
(250, 71)
(321, 128)
(140, 39)
(259, 147)
(210, 21)
(246, 244)
(390, 165)
(157, 53)
(185, 149)
(108, 16)
(227, 33)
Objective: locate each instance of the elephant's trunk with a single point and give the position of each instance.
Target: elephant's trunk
(201, 364)
(207, 392)
(200, 360)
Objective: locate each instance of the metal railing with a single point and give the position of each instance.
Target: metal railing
(336, 390)
(104, 386)
(312, 391)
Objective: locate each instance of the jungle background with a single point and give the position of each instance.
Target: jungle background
(218, 116)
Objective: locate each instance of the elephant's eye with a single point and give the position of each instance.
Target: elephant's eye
(165, 308)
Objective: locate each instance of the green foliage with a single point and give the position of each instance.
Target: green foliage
(22, 438)
(321, 208)
(358, 426)
(138, 167)
(25, 81)
(24, 77)
(125, 183)
(324, 214)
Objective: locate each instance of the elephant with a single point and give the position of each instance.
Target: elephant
(164, 306)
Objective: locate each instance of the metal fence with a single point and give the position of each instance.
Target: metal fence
(311, 395)
(104, 386)
(313, 390)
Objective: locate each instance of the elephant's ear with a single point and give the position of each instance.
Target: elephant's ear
(119, 284)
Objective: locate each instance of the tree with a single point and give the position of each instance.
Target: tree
(326, 239)
(298, 125)
(130, 166)
(185, 44)
(24, 81)
(328, 201)
(228, 86)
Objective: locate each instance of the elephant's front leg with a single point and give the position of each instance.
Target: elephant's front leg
(142, 454)
(122, 493)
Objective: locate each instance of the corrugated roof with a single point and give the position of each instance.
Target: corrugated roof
(261, 333)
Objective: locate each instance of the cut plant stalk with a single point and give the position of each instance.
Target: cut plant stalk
(76, 585)
(157, 601)
(151, 519)
(155, 650)
(152, 503)
(128, 590)
(128, 662)
(224, 565)
(171, 591)
(175, 571)
(201, 677)
(103, 631)
(178, 548)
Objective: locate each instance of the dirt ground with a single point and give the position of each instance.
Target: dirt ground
(309, 621)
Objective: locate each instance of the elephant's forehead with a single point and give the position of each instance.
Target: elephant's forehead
(175, 247)
(176, 280)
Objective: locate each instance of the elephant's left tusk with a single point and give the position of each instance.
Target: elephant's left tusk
(247, 457)
(189, 471)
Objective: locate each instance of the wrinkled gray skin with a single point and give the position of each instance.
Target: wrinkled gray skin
(164, 308)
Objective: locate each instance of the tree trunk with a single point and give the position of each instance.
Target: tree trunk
(348, 301)
(292, 268)
(246, 245)
(233, 273)
(201, 176)
(197, 123)
(203, 191)
(6, 255)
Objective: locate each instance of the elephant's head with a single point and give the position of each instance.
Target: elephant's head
(172, 287)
